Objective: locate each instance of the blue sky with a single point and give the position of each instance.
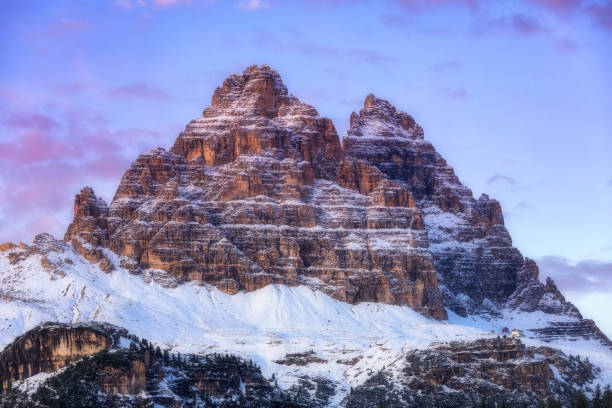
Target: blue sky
(516, 95)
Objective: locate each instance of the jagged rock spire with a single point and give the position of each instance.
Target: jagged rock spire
(253, 114)
(259, 90)
(379, 118)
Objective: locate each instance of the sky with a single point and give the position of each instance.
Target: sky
(515, 95)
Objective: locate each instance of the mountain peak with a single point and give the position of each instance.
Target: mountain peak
(379, 118)
(252, 114)
(258, 90)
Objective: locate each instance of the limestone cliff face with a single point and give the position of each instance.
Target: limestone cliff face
(47, 349)
(501, 372)
(259, 191)
(142, 376)
(478, 268)
(256, 192)
(129, 380)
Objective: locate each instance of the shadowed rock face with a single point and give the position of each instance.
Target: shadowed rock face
(478, 268)
(502, 372)
(259, 191)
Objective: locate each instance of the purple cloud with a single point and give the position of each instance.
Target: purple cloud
(446, 66)
(601, 14)
(557, 5)
(583, 277)
(517, 23)
(139, 90)
(32, 121)
(158, 4)
(67, 27)
(455, 92)
(314, 49)
(421, 5)
(252, 5)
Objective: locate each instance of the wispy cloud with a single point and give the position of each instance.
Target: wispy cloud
(517, 23)
(523, 205)
(582, 277)
(601, 14)
(497, 177)
(32, 121)
(424, 5)
(446, 66)
(68, 26)
(514, 184)
(320, 50)
(139, 90)
(457, 92)
(252, 5)
(559, 6)
(158, 4)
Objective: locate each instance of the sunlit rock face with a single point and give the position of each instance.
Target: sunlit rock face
(259, 190)
(47, 349)
(256, 192)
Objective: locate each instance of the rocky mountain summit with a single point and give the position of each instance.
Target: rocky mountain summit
(353, 272)
(260, 191)
(257, 191)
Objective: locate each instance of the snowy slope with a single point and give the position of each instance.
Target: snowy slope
(263, 325)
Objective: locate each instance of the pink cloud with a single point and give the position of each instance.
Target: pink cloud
(32, 121)
(32, 147)
(420, 5)
(557, 5)
(160, 4)
(107, 166)
(72, 88)
(50, 159)
(139, 90)
(65, 27)
(252, 5)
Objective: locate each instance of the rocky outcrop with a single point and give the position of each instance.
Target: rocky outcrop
(501, 371)
(141, 375)
(88, 232)
(47, 349)
(529, 297)
(127, 379)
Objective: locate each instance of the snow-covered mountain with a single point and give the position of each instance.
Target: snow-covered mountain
(258, 234)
